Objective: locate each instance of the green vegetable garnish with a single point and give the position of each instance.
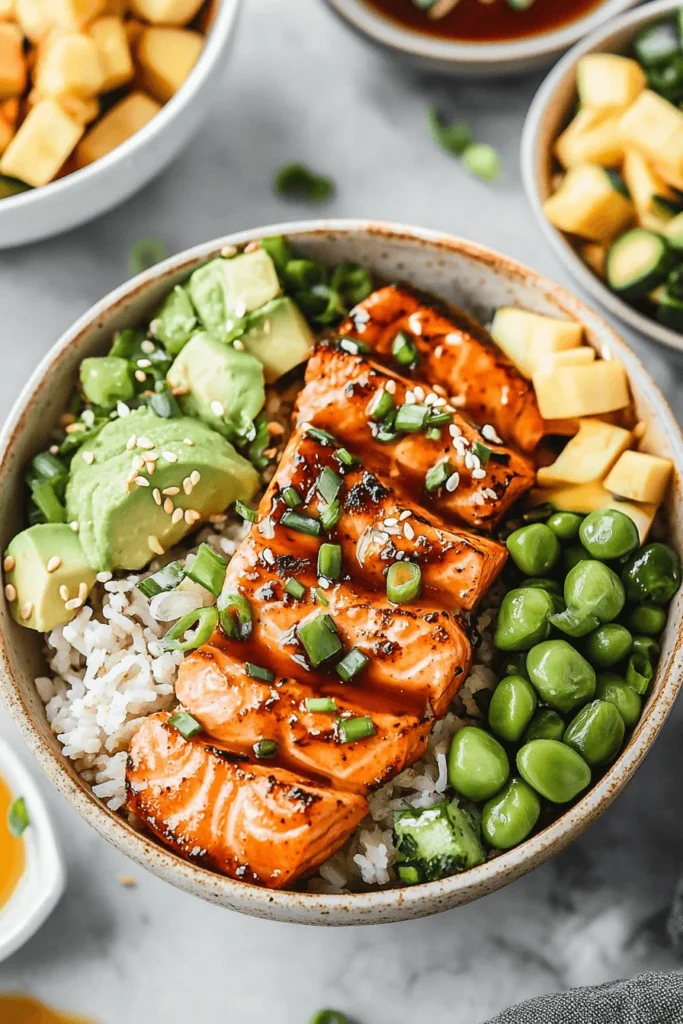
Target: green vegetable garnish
(205, 619)
(482, 161)
(351, 664)
(320, 639)
(321, 704)
(437, 476)
(330, 561)
(294, 588)
(265, 748)
(208, 569)
(353, 282)
(185, 724)
(146, 253)
(404, 580)
(245, 512)
(165, 579)
(258, 672)
(353, 729)
(331, 514)
(454, 138)
(302, 523)
(296, 181)
(404, 350)
(482, 451)
(328, 485)
(17, 818)
(291, 497)
(236, 618)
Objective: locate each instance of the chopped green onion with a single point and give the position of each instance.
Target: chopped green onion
(321, 304)
(291, 497)
(320, 596)
(279, 250)
(164, 404)
(482, 451)
(437, 418)
(380, 405)
(185, 724)
(454, 138)
(48, 466)
(260, 443)
(404, 580)
(331, 514)
(410, 419)
(329, 484)
(352, 281)
(353, 729)
(247, 513)
(320, 639)
(47, 502)
(434, 434)
(322, 704)
(208, 569)
(204, 618)
(294, 588)
(351, 664)
(167, 578)
(146, 253)
(302, 273)
(404, 350)
(296, 181)
(408, 874)
(302, 523)
(235, 616)
(265, 749)
(437, 476)
(482, 161)
(257, 672)
(353, 347)
(330, 561)
(344, 456)
(386, 433)
(17, 818)
(329, 1017)
(323, 437)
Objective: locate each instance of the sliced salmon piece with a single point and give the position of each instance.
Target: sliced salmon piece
(254, 822)
(457, 354)
(240, 711)
(339, 389)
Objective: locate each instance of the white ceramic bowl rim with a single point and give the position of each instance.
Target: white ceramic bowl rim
(358, 907)
(397, 37)
(529, 156)
(220, 29)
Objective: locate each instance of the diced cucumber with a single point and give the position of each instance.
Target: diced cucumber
(657, 44)
(670, 312)
(618, 183)
(674, 233)
(664, 207)
(667, 80)
(637, 262)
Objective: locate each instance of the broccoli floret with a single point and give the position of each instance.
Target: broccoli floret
(436, 841)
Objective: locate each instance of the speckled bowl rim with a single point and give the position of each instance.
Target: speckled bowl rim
(534, 186)
(389, 904)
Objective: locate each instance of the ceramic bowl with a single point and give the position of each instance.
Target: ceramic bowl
(458, 272)
(78, 197)
(550, 111)
(42, 883)
(467, 59)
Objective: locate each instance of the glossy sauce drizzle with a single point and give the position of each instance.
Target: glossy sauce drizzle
(12, 852)
(20, 1009)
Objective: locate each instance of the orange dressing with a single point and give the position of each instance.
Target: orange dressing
(20, 1009)
(12, 851)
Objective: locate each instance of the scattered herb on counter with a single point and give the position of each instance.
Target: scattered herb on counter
(296, 181)
(17, 818)
(478, 158)
(146, 253)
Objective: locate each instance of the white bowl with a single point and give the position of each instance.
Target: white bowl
(548, 115)
(42, 883)
(78, 197)
(473, 60)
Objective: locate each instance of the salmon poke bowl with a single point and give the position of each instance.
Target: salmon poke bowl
(341, 570)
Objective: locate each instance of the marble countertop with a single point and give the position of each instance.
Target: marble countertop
(299, 86)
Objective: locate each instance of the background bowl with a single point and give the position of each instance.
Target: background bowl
(549, 113)
(78, 197)
(461, 273)
(472, 60)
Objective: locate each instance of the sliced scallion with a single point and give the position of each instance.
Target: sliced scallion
(235, 615)
(351, 664)
(205, 619)
(323, 437)
(247, 513)
(410, 419)
(404, 350)
(297, 181)
(437, 476)
(482, 160)
(319, 595)
(353, 347)
(437, 418)
(321, 704)
(434, 434)
(146, 253)
(329, 484)
(185, 724)
(301, 523)
(208, 570)
(264, 675)
(330, 561)
(331, 514)
(294, 588)
(17, 818)
(320, 639)
(404, 580)
(291, 497)
(48, 503)
(167, 578)
(482, 451)
(353, 729)
(344, 456)
(408, 874)
(380, 405)
(265, 749)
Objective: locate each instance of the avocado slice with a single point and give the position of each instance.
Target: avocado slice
(218, 377)
(106, 380)
(223, 290)
(175, 321)
(279, 337)
(46, 558)
(123, 515)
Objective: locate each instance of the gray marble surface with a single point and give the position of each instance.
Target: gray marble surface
(299, 86)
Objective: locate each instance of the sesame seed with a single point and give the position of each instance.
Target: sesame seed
(26, 610)
(147, 346)
(324, 583)
(489, 492)
(276, 429)
(168, 507)
(454, 430)
(10, 592)
(153, 328)
(172, 491)
(415, 323)
(251, 247)
(151, 456)
(150, 466)
(505, 395)
(144, 364)
(53, 449)
(438, 351)
(410, 398)
(268, 556)
(191, 516)
(469, 460)
(103, 577)
(177, 516)
(489, 432)
(74, 603)
(9, 563)
(82, 590)
(391, 521)
(156, 494)
(66, 418)
(240, 309)
(187, 485)
(179, 390)
(452, 482)
(131, 442)
(228, 251)
(169, 456)
(217, 408)
(53, 563)
(137, 463)
(390, 386)
(122, 409)
(154, 544)
(478, 498)
(188, 441)
(89, 457)
(405, 515)
(419, 393)
(239, 345)
(64, 592)
(140, 375)
(75, 428)
(144, 442)
(195, 477)
(88, 417)
(75, 526)
(141, 481)
(408, 531)
(478, 473)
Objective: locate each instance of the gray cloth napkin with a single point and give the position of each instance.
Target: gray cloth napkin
(652, 998)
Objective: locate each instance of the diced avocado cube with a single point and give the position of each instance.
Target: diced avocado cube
(47, 558)
(223, 387)
(175, 321)
(279, 337)
(223, 290)
(106, 380)
(439, 840)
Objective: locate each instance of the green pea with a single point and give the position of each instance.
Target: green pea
(534, 549)
(608, 533)
(596, 733)
(565, 525)
(607, 645)
(652, 574)
(639, 672)
(649, 619)
(542, 583)
(478, 767)
(563, 678)
(573, 554)
(594, 594)
(553, 769)
(523, 619)
(513, 664)
(648, 646)
(613, 688)
(545, 725)
(509, 817)
(512, 705)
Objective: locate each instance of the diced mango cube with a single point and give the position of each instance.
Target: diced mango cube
(670, 175)
(12, 62)
(165, 57)
(606, 80)
(595, 256)
(6, 135)
(582, 390)
(655, 127)
(42, 144)
(115, 56)
(166, 12)
(39, 17)
(587, 204)
(643, 182)
(8, 10)
(69, 65)
(123, 120)
(83, 109)
(640, 477)
(527, 338)
(588, 456)
(593, 137)
(580, 356)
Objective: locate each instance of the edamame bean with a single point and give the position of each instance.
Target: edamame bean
(512, 705)
(478, 766)
(542, 583)
(565, 525)
(545, 725)
(523, 619)
(573, 554)
(648, 646)
(608, 533)
(607, 645)
(534, 549)
(649, 619)
(639, 672)
(509, 817)
(652, 574)
(553, 769)
(613, 688)
(596, 733)
(563, 678)
(594, 594)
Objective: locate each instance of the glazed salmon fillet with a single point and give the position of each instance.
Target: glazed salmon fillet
(340, 390)
(455, 353)
(255, 822)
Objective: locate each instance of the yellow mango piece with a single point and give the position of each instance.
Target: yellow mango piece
(123, 120)
(9, 112)
(6, 135)
(83, 109)
(39, 17)
(561, 428)
(42, 144)
(654, 127)
(606, 80)
(12, 61)
(593, 137)
(589, 390)
(69, 65)
(595, 256)
(643, 182)
(165, 57)
(7, 10)
(588, 455)
(670, 175)
(587, 204)
(580, 356)
(111, 40)
(640, 477)
(590, 497)
(526, 338)
(166, 12)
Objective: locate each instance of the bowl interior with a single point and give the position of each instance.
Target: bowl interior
(460, 273)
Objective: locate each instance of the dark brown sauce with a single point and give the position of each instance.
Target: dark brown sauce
(474, 21)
